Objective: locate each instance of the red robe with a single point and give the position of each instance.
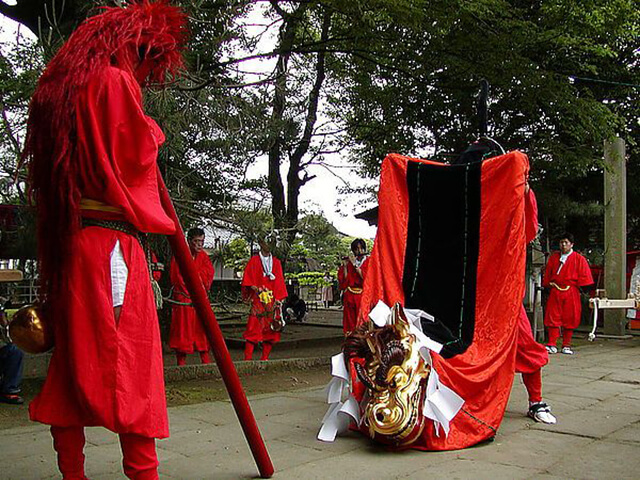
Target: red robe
(351, 284)
(187, 334)
(564, 307)
(483, 373)
(531, 356)
(258, 326)
(105, 372)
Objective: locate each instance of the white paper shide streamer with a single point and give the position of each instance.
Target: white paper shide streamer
(340, 413)
(441, 403)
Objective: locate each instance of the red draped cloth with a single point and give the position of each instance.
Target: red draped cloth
(564, 307)
(258, 325)
(187, 333)
(531, 356)
(108, 372)
(483, 374)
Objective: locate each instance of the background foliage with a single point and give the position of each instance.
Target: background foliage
(300, 83)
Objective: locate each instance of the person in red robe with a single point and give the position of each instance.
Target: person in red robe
(187, 334)
(91, 153)
(531, 356)
(263, 287)
(350, 280)
(566, 273)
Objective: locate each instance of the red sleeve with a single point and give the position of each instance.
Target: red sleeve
(250, 279)
(530, 216)
(253, 276)
(117, 148)
(584, 273)
(342, 278)
(548, 271)
(364, 268)
(176, 277)
(279, 287)
(206, 270)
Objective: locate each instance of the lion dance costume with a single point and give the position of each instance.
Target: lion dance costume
(91, 153)
(432, 361)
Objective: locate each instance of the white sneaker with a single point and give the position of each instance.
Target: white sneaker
(551, 349)
(541, 413)
(567, 350)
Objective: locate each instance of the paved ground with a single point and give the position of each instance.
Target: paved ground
(595, 394)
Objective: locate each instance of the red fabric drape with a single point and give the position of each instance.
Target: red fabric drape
(117, 150)
(484, 373)
(531, 356)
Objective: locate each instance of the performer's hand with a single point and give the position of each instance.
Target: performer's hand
(526, 187)
(352, 259)
(345, 261)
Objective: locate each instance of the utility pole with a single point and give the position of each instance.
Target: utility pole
(615, 232)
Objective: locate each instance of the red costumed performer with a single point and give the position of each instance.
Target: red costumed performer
(530, 355)
(187, 334)
(263, 274)
(453, 263)
(566, 273)
(351, 276)
(91, 153)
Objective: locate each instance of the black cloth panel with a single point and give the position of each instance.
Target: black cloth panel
(441, 259)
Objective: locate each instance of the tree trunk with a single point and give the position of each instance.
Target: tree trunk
(286, 214)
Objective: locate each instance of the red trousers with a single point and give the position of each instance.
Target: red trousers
(139, 458)
(533, 384)
(563, 308)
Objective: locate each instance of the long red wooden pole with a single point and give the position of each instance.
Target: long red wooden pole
(214, 334)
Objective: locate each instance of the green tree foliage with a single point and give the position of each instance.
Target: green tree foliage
(235, 254)
(535, 55)
(20, 66)
(320, 239)
(293, 82)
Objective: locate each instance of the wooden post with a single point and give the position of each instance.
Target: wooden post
(615, 232)
(538, 261)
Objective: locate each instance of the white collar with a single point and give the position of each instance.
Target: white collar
(267, 265)
(358, 263)
(564, 256)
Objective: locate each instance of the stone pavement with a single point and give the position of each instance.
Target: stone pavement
(595, 394)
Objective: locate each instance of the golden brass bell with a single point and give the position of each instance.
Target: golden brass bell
(29, 332)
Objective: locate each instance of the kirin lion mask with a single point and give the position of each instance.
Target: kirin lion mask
(388, 362)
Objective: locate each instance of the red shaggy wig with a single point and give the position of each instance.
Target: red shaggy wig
(142, 33)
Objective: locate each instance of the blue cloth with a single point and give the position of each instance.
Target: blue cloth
(10, 369)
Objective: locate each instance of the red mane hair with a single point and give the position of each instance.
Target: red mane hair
(124, 37)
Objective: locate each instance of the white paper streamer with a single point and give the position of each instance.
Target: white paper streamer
(339, 367)
(381, 314)
(441, 403)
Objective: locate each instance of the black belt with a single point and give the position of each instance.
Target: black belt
(124, 227)
(118, 225)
